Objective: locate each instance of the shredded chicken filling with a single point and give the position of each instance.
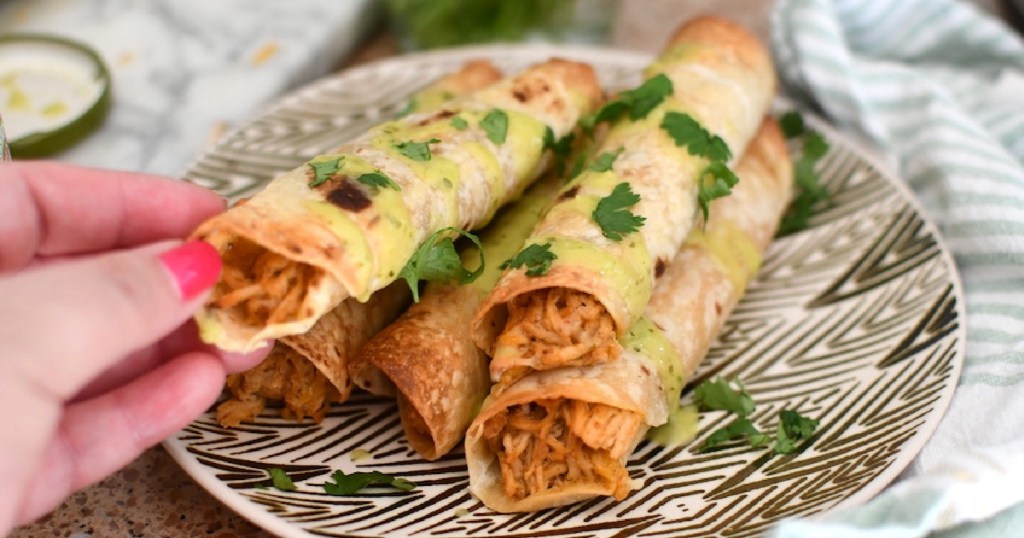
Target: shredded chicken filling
(556, 327)
(285, 376)
(261, 287)
(548, 445)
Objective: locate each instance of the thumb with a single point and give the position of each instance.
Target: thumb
(66, 322)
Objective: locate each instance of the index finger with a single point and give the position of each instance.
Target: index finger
(52, 209)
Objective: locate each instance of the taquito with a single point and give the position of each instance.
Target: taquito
(600, 282)
(426, 357)
(344, 224)
(562, 435)
(307, 372)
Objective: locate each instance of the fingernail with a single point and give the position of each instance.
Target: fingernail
(195, 267)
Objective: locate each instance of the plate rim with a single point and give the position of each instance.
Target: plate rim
(256, 514)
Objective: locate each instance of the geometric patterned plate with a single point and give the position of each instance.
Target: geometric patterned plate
(857, 321)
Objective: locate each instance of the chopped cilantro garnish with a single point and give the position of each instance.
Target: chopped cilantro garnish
(793, 428)
(815, 146)
(560, 148)
(612, 213)
(638, 102)
(686, 131)
(437, 260)
(719, 395)
(495, 124)
(280, 479)
(324, 170)
(417, 151)
(603, 162)
(378, 179)
(739, 429)
(792, 124)
(648, 96)
(347, 484)
(536, 258)
(809, 191)
(409, 108)
(459, 123)
(716, 181)
(577, 165)
(549, 137)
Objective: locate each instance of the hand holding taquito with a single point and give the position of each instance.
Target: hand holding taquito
(344, 225)
(712, 71)
(562, 435)
(309, 371)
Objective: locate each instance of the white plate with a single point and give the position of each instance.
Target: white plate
(857, 321)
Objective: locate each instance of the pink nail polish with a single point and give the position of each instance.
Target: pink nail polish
(195, 267)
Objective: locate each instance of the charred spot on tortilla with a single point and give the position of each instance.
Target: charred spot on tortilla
(441, 115)
(570, 194)
(659, 267)
(526, 90)
(349, 197)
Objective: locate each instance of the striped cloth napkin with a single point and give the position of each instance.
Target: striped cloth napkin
(936, 87)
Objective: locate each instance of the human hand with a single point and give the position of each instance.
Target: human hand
(98, 358)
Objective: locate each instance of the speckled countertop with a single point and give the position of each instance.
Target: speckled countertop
(153, 497)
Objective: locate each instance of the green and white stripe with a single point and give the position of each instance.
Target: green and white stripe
(938, 88)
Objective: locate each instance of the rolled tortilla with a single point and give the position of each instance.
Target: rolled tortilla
(474, 75)
(559, 436)
(598, 287)
(308, 372)
(326, 231)
(426, 357)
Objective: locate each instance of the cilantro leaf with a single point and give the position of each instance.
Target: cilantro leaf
(648, 96)
(324, 170)
(409, 108)
(638, 102)
(809, 191)
(792, 124)
(793, 428)
(417, 151)
(739, 428)
(495, 124)
(281, 480)
(560, 148)
(536, 258)
(815, 146)
(347, 484)
(459, 123)
(611, 111)
(719, 395)
(378, 179)
(437, 260)
(716, 181)
(603, 162)
(686, 131)
(577, 165)
(612, 213)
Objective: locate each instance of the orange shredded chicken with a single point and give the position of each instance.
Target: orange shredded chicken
(284, 375)
(556, 327)
(261, 287)
(552, 444)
